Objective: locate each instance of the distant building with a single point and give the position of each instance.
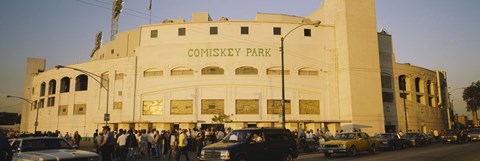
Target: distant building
(462, 120)
(177, 74)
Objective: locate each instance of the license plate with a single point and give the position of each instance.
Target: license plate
(330, 151)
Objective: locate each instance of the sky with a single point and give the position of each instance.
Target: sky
(435, 34)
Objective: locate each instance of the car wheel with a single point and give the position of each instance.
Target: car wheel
(241, 158)
(352, 151)
(288, 157)
(327, 155)
(372, 149)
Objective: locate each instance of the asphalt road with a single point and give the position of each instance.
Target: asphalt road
(436, 152)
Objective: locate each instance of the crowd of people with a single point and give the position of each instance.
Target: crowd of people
(164, 144)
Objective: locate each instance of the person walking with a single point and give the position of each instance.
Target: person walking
(131, 144)
(182, 145)
(173, 145)
(77, 138)
(5, 148)
(122, 146)
(107, 145)
(200, 138)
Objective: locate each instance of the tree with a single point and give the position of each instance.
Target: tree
(221, 118)
(471, 95)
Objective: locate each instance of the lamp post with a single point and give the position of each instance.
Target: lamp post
(450, 108)
(93, 75)
(282, 39)
(404, 87)
(31, 104)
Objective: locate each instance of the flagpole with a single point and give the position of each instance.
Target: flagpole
(150, 12)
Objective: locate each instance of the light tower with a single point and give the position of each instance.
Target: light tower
(117, 7)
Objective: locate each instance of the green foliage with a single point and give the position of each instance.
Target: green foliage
(221, 118)
(471, 95)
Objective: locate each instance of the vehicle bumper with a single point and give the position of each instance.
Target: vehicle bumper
(333, 150)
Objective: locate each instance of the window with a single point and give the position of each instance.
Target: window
(244, 30)
(307, 32)
(117, 105)
(42, 89)
(41, 103)
(153, 33)
(213, 106)
(212, 70)
(79, 109)
(65, 85)
(152, 73)
(386, 81)
(420, 99)
(246, 70)
(181, 107)
(247, 106)
(181, 32)
(387, 97)
(181, 71)
(63, 110)
(429, 87)
(213, 30)
(277, 31)
(51, 101)
(307, 71)
(81, 83)
(402, 83)
(277, 71)
(52, 87)
(105, 80)
(112, 51)
(153, 107)
(309, 107)
(418, 84)
(431, 101)
(119, 76)
(274, 106)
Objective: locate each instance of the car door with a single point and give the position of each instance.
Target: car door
(258, 151)
(276, 146)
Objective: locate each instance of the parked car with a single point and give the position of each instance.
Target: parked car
(391, 141)
(474, 135)
(244, 144)
(455, 136)
(48, 148)
(349, 143)
(416, 139)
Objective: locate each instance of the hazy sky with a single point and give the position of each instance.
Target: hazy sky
(435, 34)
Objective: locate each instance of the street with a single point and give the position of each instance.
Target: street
(434, 152)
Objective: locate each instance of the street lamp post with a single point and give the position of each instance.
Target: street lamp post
(31, 105)
(93, 75)
(282, 39)
(450, 107)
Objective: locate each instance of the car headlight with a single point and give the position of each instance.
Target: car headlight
(341, 146)
(455, 136)
(225, 154)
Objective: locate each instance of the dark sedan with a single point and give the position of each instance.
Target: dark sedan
(416, 139)
(390, 141)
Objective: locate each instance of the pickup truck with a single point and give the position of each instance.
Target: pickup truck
(349, 143)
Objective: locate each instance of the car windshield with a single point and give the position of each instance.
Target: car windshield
(345, 136)
(411, 135)
(44, 144)
(238, 136)
(385, 136)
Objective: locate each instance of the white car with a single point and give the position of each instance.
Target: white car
(48, 149)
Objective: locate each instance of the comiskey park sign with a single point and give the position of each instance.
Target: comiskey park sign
(229, 52)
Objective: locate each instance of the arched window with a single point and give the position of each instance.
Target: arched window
(52, 86)
(212, 70)
(308, 71)
(181, 71)
(402, 83)
(246, 70)
(277, 71)
(152, 72)
(81, 83)
(65, 85)
(42, 89)
(105, 80)
(418, 85)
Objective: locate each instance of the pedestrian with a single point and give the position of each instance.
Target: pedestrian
(5, 148)
(99, 140)
(95, 143)
(200, 138)
(131, 144)
(173, 145)
(166, 147)
(122, 146)
(68, 138)
(157, 144)
(107, 145)
(77, 138)
(182, 145)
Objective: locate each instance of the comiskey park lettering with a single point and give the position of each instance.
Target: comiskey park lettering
(229, 52)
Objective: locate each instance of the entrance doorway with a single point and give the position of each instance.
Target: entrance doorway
(216, 126)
